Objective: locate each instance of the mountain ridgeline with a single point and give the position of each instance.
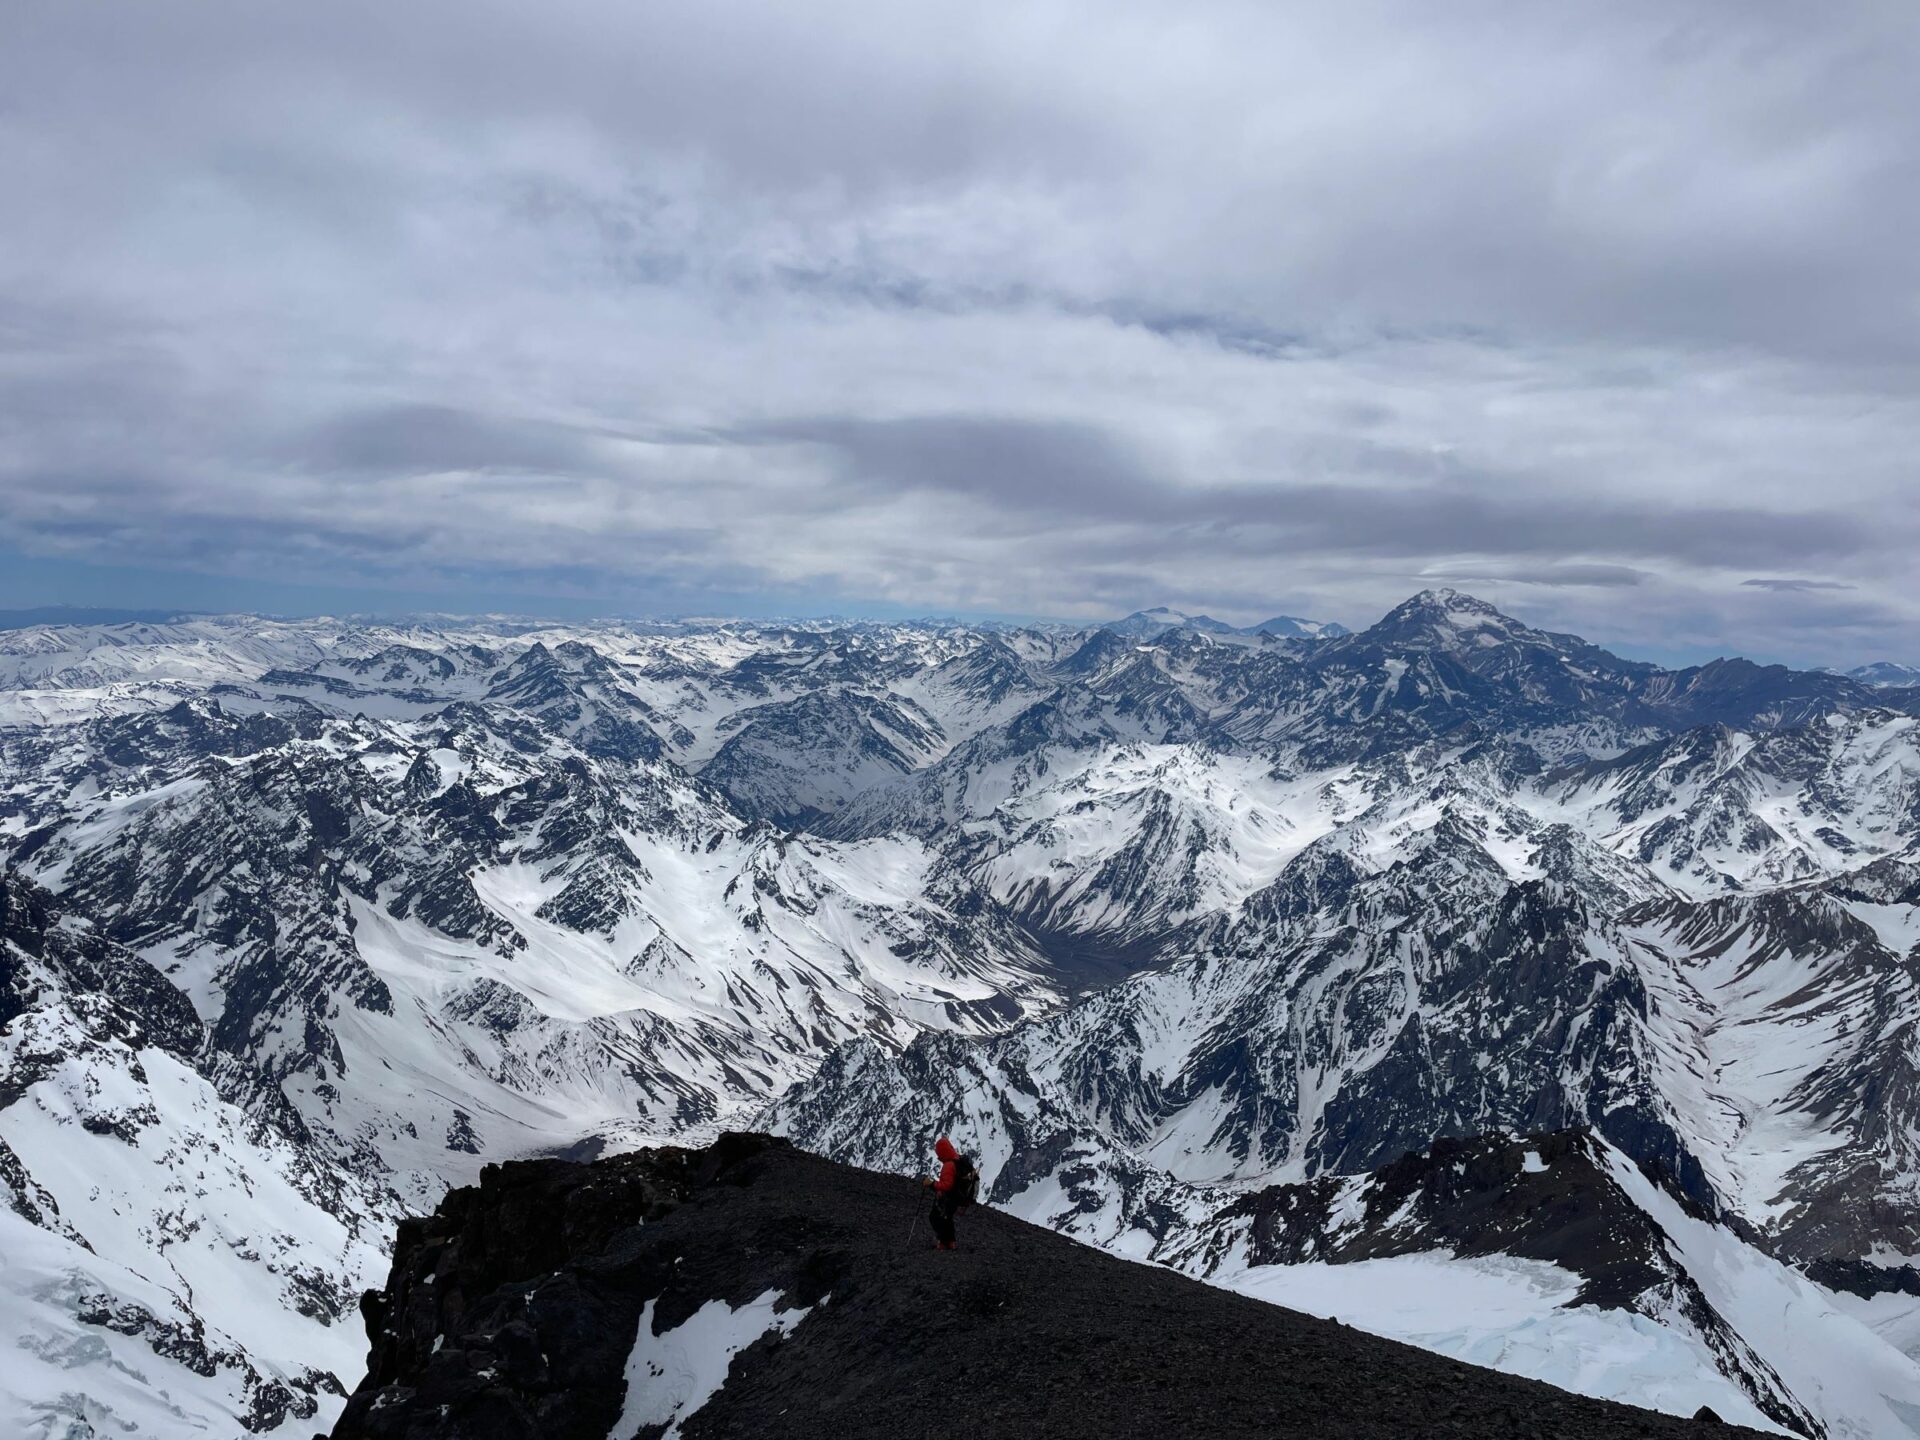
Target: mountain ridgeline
(751, 1289)
(1451, 977)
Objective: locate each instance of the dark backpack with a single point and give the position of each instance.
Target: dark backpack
(966, 1183)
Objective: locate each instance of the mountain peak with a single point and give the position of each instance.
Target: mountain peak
(1161, 617)
(1885, 672)
(1298, 628)
(1449, 601)
(1445, 619)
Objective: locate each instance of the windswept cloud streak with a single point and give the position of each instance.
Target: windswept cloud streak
(1038, 309)
(1797, 587)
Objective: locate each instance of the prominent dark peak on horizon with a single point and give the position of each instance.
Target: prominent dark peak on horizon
(1439, 618)
(1484, 638)
(1445, 597)
(1446, 614)
(565, 1301)
(1448, 619)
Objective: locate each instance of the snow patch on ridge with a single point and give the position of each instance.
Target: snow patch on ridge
(670, 1376)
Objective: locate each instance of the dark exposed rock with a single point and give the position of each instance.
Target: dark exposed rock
(512, 1312)
(147, 1005)
(1863, 1277)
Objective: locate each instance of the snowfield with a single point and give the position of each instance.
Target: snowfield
(1515, 1315)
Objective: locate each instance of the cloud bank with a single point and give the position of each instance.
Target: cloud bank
(1036, 309)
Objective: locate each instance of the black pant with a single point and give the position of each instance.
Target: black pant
(941, 1218)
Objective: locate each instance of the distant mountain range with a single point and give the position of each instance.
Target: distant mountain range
(1448, 958)
(1152, 622)
(1886, 672)
(86, 615)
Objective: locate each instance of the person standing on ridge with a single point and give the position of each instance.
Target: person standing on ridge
(953, 1191)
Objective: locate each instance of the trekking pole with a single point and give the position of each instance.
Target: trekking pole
(914, 1228)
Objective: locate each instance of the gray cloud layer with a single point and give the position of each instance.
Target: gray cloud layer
(1052, 308)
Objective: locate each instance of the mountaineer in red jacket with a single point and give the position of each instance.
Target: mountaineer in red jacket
(954, 1190)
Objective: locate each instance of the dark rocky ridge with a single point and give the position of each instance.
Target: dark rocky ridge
(512, 1310)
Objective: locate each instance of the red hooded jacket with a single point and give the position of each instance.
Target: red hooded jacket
(948, 1155)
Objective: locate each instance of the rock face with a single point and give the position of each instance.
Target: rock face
(557, 1301)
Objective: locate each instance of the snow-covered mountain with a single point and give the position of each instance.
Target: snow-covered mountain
(182, 1254)
(1163, 917)
(1886, 672)
(518, 927)
(1159, 618)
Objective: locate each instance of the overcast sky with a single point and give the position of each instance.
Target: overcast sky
(1608, 313)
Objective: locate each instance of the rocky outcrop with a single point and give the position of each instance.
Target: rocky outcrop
(557, 1300)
